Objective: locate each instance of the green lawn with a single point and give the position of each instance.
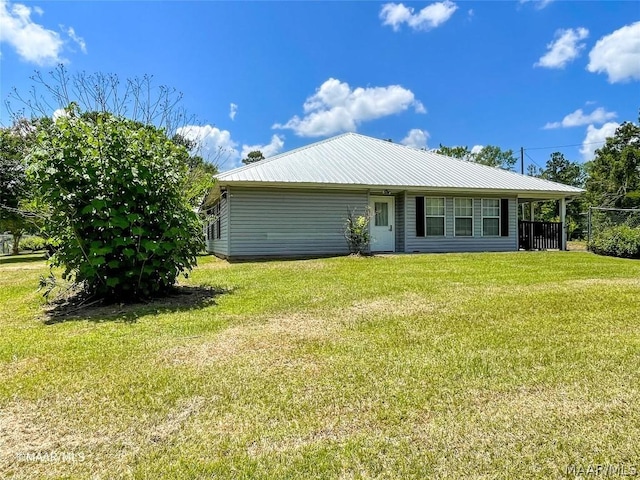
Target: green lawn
(513, 365)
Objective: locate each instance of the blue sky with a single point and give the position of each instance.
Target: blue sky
(279, 75)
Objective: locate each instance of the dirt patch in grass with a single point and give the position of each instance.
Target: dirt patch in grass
(277, 335)
(577, 246)
(17, 367)
(274, 337)
(588, 282)
(174, 421)
(400, 305)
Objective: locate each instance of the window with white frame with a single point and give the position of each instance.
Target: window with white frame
(490, 217)
(434, 210)
(463, 217)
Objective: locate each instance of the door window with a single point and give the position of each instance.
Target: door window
(381, 210)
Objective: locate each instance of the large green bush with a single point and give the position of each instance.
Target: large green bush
(33, 243)
(618, 241)
(123, 227)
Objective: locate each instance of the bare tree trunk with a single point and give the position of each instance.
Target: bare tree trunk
(16, 243)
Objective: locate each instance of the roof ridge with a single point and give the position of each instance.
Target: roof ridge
(512, 172)
(435, 152)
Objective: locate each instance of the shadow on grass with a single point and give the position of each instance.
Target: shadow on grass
(22, 258)
(180, 298)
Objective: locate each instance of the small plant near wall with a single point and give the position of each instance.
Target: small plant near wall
(356, 232)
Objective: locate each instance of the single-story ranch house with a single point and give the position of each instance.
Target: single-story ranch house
(296, 204)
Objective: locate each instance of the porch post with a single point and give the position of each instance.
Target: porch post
(532, 210)
(563, 219)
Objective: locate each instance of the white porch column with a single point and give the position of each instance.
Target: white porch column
(563, 219)
(532, 210)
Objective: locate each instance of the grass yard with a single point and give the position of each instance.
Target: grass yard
(514, 365)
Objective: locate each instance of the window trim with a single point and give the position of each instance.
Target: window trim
(455, 217)
(443, 216)
(209, 225)
(217, 210)
(499, 217)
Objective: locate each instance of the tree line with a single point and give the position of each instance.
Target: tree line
(611, 179)
(116, 191)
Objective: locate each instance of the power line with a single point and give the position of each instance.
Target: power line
(564, 146)
(534, 162)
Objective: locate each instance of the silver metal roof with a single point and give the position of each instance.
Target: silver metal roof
(353, 160)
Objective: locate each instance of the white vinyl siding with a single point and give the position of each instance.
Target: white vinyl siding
(463, 217)
(284, 222)
(490, 217)
(435, 217)
(217, 229)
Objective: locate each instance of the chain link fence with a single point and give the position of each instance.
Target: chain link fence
(6, 244)
(608, 228)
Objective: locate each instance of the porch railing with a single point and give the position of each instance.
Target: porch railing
(539, 235)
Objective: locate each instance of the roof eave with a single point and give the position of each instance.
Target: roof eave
(550, 194)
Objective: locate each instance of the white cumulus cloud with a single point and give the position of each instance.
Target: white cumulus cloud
(579, 118)
(233, 109)
(77, 39)
(566, 46)
(213, 144)
(269, 150)
(431, 16)
(33, 42)
(618, 54)
(217, 146)
(416, 138)
(336, 107)
(595, 138)
(476, 149)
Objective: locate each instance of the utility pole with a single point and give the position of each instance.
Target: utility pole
(522, 171)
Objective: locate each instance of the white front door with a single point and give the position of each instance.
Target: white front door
(382, 224)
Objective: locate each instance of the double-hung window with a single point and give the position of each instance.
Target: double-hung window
(490, 217)
(463, 217)
(435, 217)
